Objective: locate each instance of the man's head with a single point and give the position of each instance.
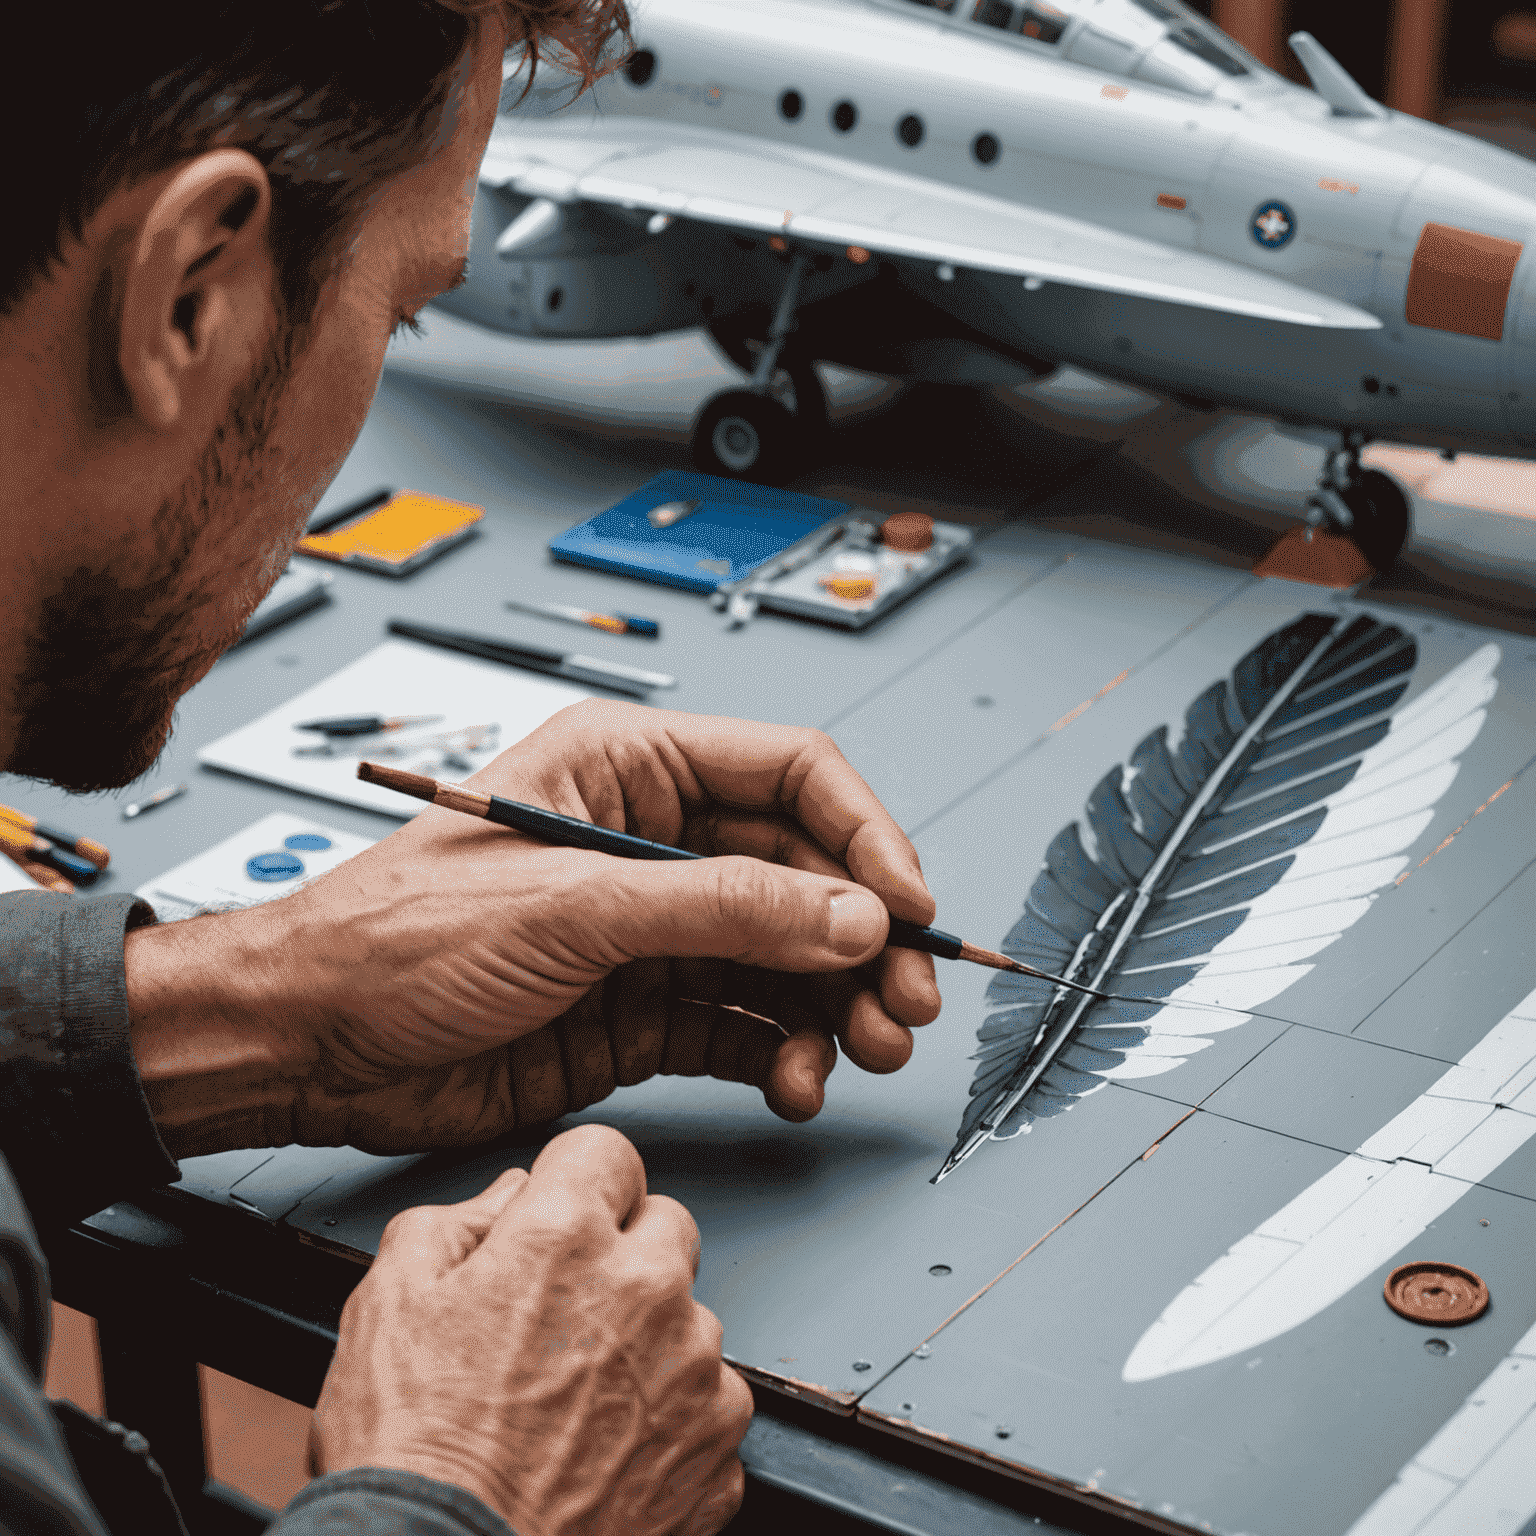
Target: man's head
(220, 214)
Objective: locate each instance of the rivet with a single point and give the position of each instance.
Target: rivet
(939, 1269)
(863, 1365)
(1003, 1431)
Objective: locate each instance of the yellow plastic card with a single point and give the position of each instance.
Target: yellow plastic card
(407, 531)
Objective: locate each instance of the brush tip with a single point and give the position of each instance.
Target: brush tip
(417, 784)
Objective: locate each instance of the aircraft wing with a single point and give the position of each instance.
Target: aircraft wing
(754, 184)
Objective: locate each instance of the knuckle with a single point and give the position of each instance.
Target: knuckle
(709, 1332)
(687, 1228)
(737, 1406)
(746, 889)
(575, 1227)
(408, 1230)
(601, 1149)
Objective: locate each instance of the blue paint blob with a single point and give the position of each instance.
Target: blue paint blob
(307, 842)
(272, 867)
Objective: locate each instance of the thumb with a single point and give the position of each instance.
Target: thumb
(742, 909)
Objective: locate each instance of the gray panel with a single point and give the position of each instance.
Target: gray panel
(1482, 836)
(951, 722)
(1325, 1088)
(1477, 976)
(278, 1185)
(818, 1240)
(1295, 1438)
(1447, 863)
(1516, 1175)
(212, 1176)
(888, 1495)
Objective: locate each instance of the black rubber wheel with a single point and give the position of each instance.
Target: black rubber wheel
(795, 377)
(742, 436)
(1380, 506)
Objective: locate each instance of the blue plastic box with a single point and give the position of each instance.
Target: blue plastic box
(736, 528)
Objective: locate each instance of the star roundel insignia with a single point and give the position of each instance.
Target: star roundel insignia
(1272, 225)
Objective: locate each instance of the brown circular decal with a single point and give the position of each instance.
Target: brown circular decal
(907, 531)
(1443, 1294)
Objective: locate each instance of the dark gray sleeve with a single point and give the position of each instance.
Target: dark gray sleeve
(40, 1493)
(74, 1124)
(379, 1502)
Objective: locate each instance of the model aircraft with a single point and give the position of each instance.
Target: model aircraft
(982, 190)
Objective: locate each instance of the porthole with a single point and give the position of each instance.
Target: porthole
(555, 299)
(985, 148)
(791, 105)
(910, 130)
(844, 116)
(641, 67)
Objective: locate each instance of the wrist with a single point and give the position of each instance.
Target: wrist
(217, 1050)
(458, 1472)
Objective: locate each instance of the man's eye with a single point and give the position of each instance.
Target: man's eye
(409, 323)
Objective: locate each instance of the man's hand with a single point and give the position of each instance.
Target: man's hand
(539, 1345)
(459, 980)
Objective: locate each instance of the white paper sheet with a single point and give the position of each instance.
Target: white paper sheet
(14, 878)
(396, 678)
(218, 878)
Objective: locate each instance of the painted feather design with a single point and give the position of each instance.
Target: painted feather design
(1212, 868)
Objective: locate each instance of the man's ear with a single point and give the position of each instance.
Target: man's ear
(197, 289)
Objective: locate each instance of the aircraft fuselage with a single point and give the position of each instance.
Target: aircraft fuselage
(1259, 173)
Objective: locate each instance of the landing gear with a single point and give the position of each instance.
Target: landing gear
(1367, 506)
(761, 432)
(743, 436)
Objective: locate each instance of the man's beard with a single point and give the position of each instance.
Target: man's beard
(105, 663)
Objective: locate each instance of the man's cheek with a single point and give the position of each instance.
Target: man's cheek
(324, 426)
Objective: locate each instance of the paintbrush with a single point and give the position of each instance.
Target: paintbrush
(570, 832)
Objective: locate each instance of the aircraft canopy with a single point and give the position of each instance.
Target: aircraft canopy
(1160, 42)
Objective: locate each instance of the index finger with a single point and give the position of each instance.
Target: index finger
(754, 766)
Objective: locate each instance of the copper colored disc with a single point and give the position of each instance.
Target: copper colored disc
(907, 531)
(1445, 1295)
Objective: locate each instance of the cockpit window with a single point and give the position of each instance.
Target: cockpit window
(1206, 48)
(1191, 38)
(1161, 42)
(1029, 18)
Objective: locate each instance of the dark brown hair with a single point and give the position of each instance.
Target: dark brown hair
(334, 97)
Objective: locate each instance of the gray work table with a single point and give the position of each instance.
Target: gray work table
(983, 711)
